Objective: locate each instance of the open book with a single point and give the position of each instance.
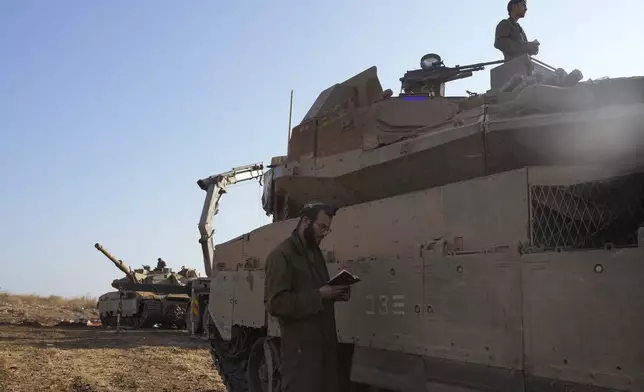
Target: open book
(343, 278)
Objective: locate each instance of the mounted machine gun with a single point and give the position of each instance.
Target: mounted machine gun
(433, 74)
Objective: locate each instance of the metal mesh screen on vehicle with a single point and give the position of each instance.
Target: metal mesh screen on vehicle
(588, 215)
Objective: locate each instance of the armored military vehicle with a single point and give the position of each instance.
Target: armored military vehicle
(141, 303)
(499, 236)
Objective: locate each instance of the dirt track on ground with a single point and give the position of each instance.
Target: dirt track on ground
(83, 359)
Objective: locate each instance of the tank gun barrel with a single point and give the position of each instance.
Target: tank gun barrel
(118, 263)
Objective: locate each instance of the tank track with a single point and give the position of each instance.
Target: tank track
(231, 358)
(148, 312)
(175, 316)
(231, 370)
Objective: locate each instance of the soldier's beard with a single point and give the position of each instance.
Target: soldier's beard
(309, 237)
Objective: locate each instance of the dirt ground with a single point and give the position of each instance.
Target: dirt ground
(37, 353)
(93, 359)
(48, 311)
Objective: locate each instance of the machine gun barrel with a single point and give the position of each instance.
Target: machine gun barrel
(478, 66)
(447, 74)
(433, 77)
(118, 263)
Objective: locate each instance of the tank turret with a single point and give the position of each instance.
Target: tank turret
(356, 139)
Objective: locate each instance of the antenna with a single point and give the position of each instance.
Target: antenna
(290, 115)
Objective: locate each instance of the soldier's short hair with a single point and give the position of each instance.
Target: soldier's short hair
(511, 3)
(311, 210)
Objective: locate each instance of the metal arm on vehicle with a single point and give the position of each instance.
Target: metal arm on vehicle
(215, 187)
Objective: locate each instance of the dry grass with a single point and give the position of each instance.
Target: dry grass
(44, 310)
(74, 303)
(93, 360)
(83, 359)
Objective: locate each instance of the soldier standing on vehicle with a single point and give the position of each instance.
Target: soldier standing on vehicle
(160, 264)
(510, 37)
(297, 294)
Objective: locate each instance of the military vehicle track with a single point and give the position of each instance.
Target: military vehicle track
(231, 370)
(149, 307)
(231, 357)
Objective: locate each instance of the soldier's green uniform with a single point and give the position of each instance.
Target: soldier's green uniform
(309, 345)
(511, 39)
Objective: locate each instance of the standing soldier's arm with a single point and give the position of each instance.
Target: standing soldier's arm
(281, 300)
(505, 44)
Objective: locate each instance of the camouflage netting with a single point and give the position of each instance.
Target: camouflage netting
(589, 214)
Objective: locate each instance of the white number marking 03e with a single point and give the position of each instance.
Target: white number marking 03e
(385, 302)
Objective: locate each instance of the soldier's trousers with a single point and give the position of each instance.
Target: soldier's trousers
(309, 369)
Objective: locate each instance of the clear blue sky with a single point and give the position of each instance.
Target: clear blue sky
(111, 110)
